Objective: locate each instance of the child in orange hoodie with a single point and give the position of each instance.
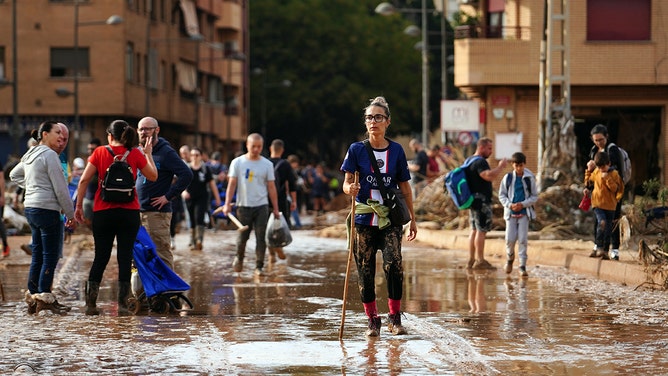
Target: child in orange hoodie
(608, 190)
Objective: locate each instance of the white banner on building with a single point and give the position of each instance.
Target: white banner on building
(506, 144)
(460, 116)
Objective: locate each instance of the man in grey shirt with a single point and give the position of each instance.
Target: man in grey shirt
(252, 176)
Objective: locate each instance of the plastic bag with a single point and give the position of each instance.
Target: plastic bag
(278, 233)
(585, 204)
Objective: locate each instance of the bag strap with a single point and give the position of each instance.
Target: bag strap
(123, 158)
(375, 169)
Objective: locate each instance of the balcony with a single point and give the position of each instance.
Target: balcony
(482, 62)
(231, 16)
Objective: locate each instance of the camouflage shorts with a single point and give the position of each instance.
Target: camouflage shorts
(481, 219)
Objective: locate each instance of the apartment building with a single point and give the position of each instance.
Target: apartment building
(617, 68)
(88, 62)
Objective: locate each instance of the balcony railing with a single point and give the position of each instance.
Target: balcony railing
(492, 32)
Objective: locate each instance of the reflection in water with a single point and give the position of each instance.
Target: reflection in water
(476, 291)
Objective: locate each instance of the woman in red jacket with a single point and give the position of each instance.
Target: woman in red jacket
(114, 220)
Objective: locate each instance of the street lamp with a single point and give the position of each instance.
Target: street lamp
(112, 20)
(386, 9)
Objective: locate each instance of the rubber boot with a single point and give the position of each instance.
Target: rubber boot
(199, 234)
(123, 295)
(32, 304)
(193, 238)
(92, 291)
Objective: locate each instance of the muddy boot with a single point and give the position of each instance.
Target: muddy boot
(47, 301)
(62, 307)
(123, 295)
(199, 238)
(32, 304)
(92, 291)
(193, 239)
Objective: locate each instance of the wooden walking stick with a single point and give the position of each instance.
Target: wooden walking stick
(351, 244)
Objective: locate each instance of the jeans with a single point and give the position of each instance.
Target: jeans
(604, 221)
(47, 242)
(198, 207)
(295, 217)
(517, 228)
(256, 218)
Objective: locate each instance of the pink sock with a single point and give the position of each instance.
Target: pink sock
(370, 309)
(394, 306)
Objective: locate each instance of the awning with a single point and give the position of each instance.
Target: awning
(496, 6)
(190, 16)
(187, 76)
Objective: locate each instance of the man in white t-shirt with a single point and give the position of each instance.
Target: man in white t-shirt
(252, 177)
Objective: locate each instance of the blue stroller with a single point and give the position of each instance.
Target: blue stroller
(158, 289)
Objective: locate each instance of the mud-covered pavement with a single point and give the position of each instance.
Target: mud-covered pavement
(287, 321)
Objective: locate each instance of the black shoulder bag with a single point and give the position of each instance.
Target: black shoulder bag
(394, 199)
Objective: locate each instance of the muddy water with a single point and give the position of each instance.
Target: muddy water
(287, 321)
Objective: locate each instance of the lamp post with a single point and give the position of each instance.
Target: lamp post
(387, 9)
(112, 20)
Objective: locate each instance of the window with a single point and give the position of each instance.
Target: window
(153, 9)
(230, 47)
(495, 9)
(215, 90)
(152, 74)
(162, 75)
(64, 61)
(619, 20)
(130, 62)
(133, 5)
(138, 61)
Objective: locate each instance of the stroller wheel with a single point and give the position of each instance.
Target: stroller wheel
(160, 305)
(133, 306)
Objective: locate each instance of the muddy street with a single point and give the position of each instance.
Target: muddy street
(287, 321)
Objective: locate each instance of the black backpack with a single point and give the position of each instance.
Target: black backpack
(118, 184)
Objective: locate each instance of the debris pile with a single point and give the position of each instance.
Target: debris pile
(557, 213)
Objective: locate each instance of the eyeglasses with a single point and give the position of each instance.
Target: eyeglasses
(147, 129)
(376, 118)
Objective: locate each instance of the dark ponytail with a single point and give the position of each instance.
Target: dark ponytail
(124, 133)
(46, 126)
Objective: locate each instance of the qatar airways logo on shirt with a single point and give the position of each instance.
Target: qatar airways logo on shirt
(371, 179)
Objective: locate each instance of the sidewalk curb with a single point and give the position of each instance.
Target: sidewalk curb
(569, 254)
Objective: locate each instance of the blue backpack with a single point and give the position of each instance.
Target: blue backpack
(457, 185)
